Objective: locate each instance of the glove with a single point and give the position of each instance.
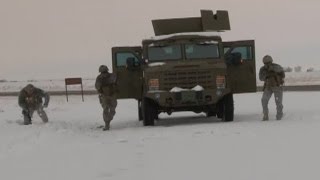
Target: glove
(45, 105)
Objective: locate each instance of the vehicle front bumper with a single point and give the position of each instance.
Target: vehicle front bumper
(187, 97)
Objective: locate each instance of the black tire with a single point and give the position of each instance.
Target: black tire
(228, 108)
(220, 109)
(148, 111)
(140, 110)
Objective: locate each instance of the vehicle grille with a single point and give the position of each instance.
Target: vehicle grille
(187, 79)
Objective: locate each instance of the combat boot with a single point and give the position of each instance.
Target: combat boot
(279, 116)
(27, 122)
(106, 127)
(265, 117)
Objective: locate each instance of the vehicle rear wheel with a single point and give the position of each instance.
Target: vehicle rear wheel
(149, 112)
(140, 110)
(228, 108)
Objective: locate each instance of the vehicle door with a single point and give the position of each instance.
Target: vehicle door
(127, 65)
(241, 75)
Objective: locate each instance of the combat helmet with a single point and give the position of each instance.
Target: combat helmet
(29, 88)
(267, 59)
(103, 69)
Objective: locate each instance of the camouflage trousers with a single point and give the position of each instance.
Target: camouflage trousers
(109, 104)
(27, 114)
(278, 95)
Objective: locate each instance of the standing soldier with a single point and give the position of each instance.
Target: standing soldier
(273, 76)
(30, 100)
(105, 85)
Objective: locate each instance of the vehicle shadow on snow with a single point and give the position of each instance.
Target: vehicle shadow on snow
(186, 120)
(202, 119)
(166, 121)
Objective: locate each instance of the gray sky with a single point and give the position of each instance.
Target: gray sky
(44, 39)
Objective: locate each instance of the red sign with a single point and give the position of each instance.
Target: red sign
(73, 81)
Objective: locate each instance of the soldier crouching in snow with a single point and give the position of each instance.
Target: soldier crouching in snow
(105, 85)
(273, 76)
(30, 100)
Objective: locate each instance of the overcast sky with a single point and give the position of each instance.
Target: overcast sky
(44, 39)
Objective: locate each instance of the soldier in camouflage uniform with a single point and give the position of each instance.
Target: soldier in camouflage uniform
(30, 100)
(273, 76)
(105, 85)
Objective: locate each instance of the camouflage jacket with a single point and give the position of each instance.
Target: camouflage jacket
(34, 100)
(105, 84)
(272, 74)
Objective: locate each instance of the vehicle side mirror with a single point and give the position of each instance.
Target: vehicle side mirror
(234, 59)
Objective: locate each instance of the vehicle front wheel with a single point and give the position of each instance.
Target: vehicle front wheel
(149, 112)
(228, 108)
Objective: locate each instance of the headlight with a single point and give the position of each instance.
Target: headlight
(220, 82)
(153, 84)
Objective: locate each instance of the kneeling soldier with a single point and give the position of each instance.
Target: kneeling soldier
(30, 100)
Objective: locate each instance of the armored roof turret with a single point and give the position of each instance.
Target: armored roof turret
(208, 22)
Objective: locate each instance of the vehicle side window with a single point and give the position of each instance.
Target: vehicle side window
(246, 52)
(121, 59)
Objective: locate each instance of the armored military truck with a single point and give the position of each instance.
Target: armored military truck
(186, 66)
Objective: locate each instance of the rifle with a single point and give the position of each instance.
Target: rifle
(276, 75)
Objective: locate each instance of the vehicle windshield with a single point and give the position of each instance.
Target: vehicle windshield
(203, 50)
(161, 53)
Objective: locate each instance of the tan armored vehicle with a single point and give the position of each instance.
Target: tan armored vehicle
(186, 67)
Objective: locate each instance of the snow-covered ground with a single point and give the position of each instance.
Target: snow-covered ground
(292, 79)
(185, 146)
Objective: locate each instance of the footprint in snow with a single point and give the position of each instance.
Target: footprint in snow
(18, 121)
(198, 133)
(122, 140)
